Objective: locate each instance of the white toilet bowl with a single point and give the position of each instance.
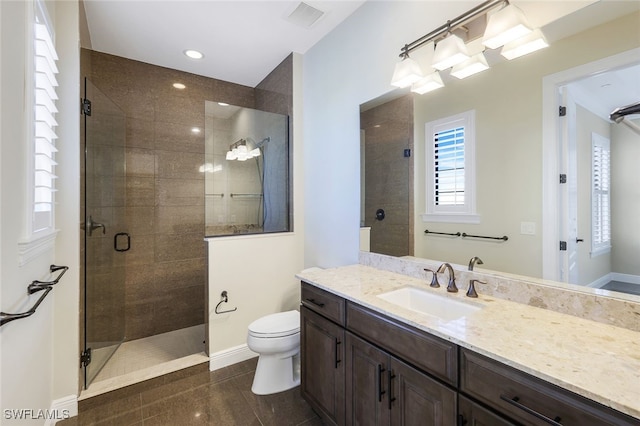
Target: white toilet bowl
(276, 338)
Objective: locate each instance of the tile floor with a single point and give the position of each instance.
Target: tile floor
(195, 396)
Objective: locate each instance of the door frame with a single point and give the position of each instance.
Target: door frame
(551, 131)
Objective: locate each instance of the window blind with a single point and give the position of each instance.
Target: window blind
(449, 167)
(600, 195)
(44, 131)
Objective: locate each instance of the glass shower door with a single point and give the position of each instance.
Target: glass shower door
(104, 214)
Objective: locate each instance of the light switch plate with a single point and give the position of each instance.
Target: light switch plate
(528, 228)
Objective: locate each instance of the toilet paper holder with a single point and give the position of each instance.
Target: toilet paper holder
(224, 298)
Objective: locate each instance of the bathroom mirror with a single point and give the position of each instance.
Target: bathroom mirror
(246, 171)
(508, 101)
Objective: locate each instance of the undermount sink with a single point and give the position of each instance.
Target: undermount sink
(428, 303)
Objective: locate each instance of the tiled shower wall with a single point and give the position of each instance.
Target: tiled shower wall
(166, 266)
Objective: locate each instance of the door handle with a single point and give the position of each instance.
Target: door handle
(381, 392)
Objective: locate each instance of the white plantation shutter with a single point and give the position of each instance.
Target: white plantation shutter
(600, 194)
(450, 169)
(44, 129)
(448, 147)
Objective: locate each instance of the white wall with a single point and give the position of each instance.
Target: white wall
(625, 199)
(34, 355)
(257, 271)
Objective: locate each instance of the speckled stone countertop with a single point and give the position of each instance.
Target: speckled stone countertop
(595, 360)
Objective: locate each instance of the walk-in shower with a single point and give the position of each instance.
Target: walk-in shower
(247, 171)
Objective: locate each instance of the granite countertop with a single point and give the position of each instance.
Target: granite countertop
(595, 360)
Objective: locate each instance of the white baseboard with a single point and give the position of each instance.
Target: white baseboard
(62, 409)
(615, 276)
(230, 356)
(625, 278)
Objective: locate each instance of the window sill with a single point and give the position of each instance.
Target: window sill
(451, 218)
(600, 251)
(32, 247)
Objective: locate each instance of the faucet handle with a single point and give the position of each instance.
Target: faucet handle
(471, 292)
(434, 278)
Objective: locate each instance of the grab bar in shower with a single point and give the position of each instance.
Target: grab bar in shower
(245, 195)
(35, 287)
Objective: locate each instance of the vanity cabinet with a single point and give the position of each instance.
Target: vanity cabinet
(382, 390)
(361, 367)
(528, 399)
(322, 370)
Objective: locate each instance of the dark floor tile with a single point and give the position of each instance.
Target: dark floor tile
(248, 366)
(279, 409)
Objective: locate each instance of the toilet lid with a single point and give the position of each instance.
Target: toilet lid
(276, 325)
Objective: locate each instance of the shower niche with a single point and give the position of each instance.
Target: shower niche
(246, 171)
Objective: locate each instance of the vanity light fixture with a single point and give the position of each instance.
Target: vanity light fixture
(193, 54)
(524, 45)
(506, 27)
(473, 65)
(428, 83)
(406, 72)
(450, 51)
(244, 149)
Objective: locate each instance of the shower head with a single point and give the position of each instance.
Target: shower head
(618, 114)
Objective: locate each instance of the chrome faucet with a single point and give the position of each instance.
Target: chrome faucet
(451, 287)
(474, 260)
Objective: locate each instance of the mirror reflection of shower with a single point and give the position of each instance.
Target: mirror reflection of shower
(247, 171)
(619, 115)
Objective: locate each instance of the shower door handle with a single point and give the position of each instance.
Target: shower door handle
(91, 226)
(115, 241)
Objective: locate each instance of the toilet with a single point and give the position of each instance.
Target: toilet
(276, 338)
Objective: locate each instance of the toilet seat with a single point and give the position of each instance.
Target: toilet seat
(280, 324)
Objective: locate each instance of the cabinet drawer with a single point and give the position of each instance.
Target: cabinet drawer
(530, 400)
(429, 353)
(326, 304)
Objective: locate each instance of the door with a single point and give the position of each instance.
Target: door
(367, 383)
(322, 365)
(104, 216)
(416, 399)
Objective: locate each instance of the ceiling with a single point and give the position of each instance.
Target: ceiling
(242, 41)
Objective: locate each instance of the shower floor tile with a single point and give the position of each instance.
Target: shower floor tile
(149, 357)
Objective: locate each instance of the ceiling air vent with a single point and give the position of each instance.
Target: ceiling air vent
(305, 15)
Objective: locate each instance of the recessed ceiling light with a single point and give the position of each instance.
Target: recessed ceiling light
(193, 54)
(223, 104)
(179, 86)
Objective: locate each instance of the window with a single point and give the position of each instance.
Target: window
(40, 232)
(450, 165)
(600, 195)
(45, 123)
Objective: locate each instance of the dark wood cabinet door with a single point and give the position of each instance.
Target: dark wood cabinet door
(322, 367)
(417, 399)
(367, 386)
(472, 414)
